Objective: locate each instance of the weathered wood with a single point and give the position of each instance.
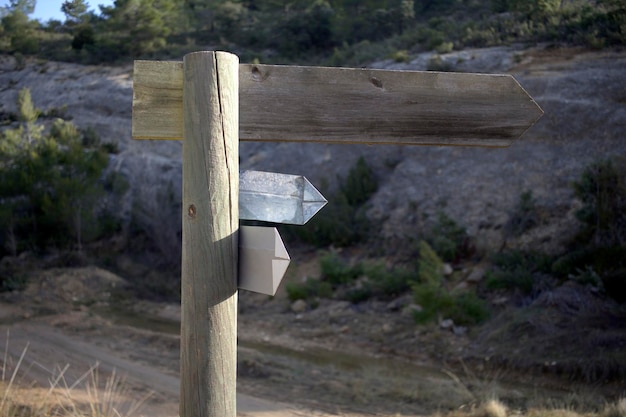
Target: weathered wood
(345, 105)
(263, 259)
(210, 226)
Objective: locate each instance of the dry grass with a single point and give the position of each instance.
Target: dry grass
(88, 396)
(615, 410)
(492, 408)
(495, 408)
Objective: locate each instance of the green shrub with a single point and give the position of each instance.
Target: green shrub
(587, 277)
(342, 222)
(515, 270)
(434, 300)
(21, 32)
(468, 309)
(518, 278)
(360, 282)
(436, 63)
(464, 308)
(50, 185)
(429, 265)
(602, 190)
(336, 271)
(449, 240)
(430, 292)
(363, 282)
(359, 294)
(11, 277)
(311, 288)
(600, 259)
(524, 216)
(388, 282)
(84, 37)
(337, 224)
(400, 56)
(360, 183)
(444, 47)
(608, 263)
(600, 245)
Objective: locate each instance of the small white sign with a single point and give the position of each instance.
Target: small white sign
(263, 259)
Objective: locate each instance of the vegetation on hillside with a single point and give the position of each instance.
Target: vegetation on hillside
(336, 32)
(595, 258)
(52, 185)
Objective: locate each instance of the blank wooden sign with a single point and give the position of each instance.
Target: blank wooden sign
(347, 105)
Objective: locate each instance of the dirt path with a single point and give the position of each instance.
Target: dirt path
(49, 349)
(338, 359)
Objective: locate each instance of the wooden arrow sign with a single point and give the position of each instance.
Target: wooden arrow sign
(263, 259)
(277, 198)
(346, 105)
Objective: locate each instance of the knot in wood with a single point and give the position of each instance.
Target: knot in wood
(257, 75)
(376, 82)
(191, 211)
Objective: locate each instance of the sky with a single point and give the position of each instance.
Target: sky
(51, 9)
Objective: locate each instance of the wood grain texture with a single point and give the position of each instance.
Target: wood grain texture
(210, 226)
(346, 105)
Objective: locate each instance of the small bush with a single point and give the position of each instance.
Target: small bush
(437, 302)
(436, 63)
(449, 240)
(11, 277)
(389, 282)
(609, 263)
(444, 47)
(600, 246)
(433, 299)
(587, 277)
(429, 265)
(515, 270)
(465, 308)
(360, 183)
(518, 278)
(524, 216)
(602, 190)
(400, 56)
(342, 222)
(311, 288)
(359, 294)
(50, 185)
(336, 271)
(469, 309)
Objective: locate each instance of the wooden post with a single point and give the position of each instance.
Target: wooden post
(210, 241)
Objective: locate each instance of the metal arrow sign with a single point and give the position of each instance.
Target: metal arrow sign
(263, 259)
(277, 198)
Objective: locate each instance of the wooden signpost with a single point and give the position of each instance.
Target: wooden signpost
(210, 101)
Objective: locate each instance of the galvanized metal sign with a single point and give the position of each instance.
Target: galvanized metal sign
(277, 198)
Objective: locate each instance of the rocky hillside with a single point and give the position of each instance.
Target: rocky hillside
(583, 94)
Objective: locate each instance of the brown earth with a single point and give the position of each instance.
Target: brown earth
(51, 322)
(336, 359)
